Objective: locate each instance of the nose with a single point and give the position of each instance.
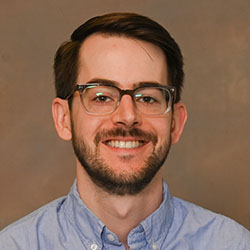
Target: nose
(126, 115)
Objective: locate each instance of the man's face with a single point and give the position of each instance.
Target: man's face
(121, 151)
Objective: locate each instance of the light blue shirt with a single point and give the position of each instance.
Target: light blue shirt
(67, 224)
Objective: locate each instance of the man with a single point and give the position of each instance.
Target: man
(118, 84)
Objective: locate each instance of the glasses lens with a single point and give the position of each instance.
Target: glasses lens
(100, 99)
(152, 100)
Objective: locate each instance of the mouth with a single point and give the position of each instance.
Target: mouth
(125, 144)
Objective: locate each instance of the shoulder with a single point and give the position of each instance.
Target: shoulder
(209, 228)
(20, 234)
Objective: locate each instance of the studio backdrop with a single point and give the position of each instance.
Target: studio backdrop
(210, 166)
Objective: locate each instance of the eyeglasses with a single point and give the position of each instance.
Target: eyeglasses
(101, 99)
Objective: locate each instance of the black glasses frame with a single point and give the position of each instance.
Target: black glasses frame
(130, 92)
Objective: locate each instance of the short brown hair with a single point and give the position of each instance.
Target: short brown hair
(121, 24)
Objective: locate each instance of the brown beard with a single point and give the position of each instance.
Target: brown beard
(120, 183)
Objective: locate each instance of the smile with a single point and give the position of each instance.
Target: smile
(125, 144)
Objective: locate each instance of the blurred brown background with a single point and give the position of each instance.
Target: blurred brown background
(210, 165)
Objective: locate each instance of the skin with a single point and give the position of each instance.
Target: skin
(127, 62)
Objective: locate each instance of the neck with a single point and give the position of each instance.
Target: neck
(120, 213)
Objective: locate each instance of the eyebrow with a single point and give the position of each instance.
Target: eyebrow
(108, 82)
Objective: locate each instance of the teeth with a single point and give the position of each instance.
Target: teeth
(124, 144)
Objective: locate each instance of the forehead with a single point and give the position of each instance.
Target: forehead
(121, 59)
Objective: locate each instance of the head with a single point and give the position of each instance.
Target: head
(123, 150)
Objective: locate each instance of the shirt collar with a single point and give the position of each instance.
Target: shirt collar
(89, 226)
(83, 220)
(159, 222)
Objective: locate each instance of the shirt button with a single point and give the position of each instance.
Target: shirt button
(93, 246)
(111, 237)
(154, 246)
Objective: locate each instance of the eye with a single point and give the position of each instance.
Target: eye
(102, 99)
(148, 99)
(100, 96)
(145, 99)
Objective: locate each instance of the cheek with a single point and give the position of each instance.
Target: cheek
(87, 126)
(161, 127)
(164, 133)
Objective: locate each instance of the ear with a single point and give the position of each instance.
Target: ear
(61, 116)
(178, 121)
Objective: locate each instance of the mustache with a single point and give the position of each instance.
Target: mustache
(121, 132)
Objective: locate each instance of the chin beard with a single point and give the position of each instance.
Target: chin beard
(122, 183)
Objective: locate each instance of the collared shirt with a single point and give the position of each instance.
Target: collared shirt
(67, 224)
